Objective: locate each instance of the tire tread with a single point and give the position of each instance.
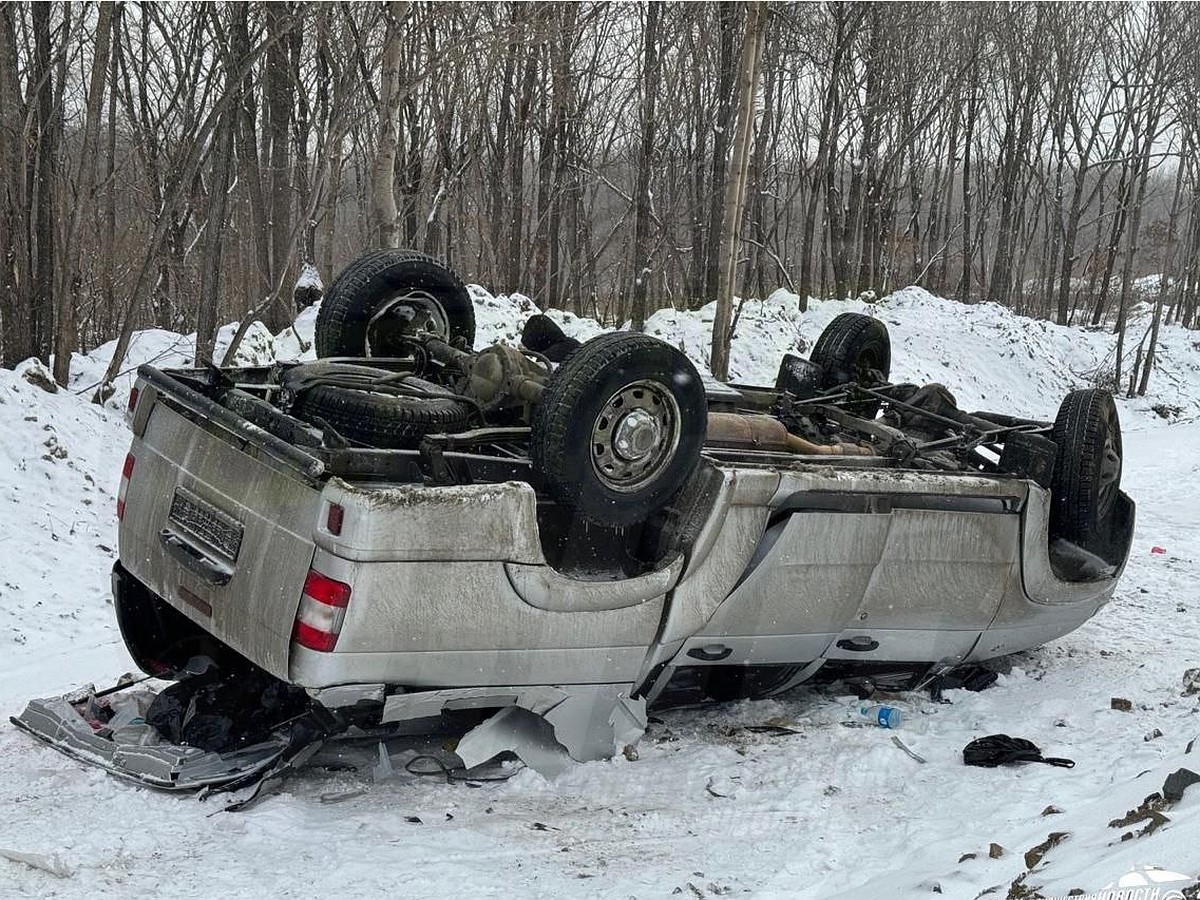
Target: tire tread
(838, 348)
(342, 311)
(1079, 430)
(382, 420)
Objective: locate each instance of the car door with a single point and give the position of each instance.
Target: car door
(881, 576)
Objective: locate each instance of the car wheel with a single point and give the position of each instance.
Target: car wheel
(387, 295)
(1087, 469)
(852, 348)
(541, 334)
(382, 420)
(619, 427)
(160, 639)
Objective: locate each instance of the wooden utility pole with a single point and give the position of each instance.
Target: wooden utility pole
(735, 184)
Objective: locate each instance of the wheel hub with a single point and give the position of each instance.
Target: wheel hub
(403, 316)
(635, 435)
(1110, 475)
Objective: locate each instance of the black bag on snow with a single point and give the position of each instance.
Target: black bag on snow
(998, 749)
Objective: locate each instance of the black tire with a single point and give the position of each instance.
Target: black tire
(850, 348)
(586, 414)
(541, 334)
(801, 378)
(1087, 470)
(382, 420)
(371, 281)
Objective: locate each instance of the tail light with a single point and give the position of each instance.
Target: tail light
(139, 407)
(322, 612)
(126, 474)
(334, 518)
(133, 399)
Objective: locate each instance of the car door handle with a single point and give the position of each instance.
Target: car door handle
(193, 559)
(710, 652)
(858, 644)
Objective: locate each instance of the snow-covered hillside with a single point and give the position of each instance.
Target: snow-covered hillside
(710, 807)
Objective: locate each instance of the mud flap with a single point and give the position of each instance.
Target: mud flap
(134, 751)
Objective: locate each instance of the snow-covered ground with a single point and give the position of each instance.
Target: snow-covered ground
(709, 808)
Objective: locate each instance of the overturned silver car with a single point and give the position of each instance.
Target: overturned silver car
(407, 529)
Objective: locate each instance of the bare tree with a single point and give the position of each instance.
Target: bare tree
(385, 216)
(582, 153)
(70, 283)
(642, 213)
(735, 195)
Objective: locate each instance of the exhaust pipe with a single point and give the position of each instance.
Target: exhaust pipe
(768, 433)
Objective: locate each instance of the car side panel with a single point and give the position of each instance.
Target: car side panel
(464, 623)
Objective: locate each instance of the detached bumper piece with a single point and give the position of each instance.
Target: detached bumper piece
(106, 729)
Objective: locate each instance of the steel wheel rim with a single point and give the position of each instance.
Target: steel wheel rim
(1110, 474)
(867, 360)
(406, 314)
(634, 436)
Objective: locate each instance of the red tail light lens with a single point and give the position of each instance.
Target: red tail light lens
(325, 590)
(126, 474)
(334, 519)
(314, 639)
(133, 399)
(321, 613)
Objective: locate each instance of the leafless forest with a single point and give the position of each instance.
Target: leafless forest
(176, 164)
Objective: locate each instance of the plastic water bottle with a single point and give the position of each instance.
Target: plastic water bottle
(879, 714)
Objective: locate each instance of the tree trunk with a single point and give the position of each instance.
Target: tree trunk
(107, 219)
(278, 103)
(1168, 269)
(214, 241)
(72, 280)
(717, 191)
(43, 174)
(849, 249)
(506, 100)
(259, 285)
(385, 225)
(698, 169)
(517, 208)
(735, 193)
(968, 197)
(17, 335)
(641, 194)
(1124, 187)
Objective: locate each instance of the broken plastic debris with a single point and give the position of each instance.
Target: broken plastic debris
(383, 769)
(518, 731)
(339, 796)
(1158, 551)
(908, 750)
